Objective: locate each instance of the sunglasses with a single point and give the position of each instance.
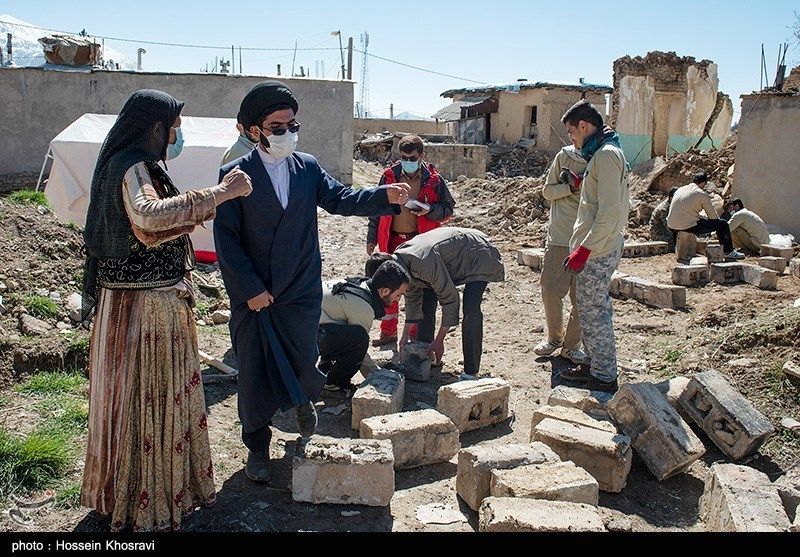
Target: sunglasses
(280, 131)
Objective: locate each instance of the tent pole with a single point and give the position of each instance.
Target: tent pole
(47, 157)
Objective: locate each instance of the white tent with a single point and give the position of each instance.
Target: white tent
(74, 152)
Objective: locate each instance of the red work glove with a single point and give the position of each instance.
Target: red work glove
(568, 177)
(576, 261)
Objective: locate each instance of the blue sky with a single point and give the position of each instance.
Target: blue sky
(483, 41)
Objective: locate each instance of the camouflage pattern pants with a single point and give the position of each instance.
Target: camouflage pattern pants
(596, 313)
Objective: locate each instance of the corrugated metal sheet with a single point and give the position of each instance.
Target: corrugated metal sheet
(452, 111)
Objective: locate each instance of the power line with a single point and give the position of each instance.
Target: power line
(158, 43)
(418, 68)
(244, 48)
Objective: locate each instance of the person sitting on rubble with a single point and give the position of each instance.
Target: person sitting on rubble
(748, 230)
(438, 261)
(243, 145)
(431, 204)
(684, 215)
(349, 307)
(659, 230)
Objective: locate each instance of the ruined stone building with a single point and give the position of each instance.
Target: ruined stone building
(665, 104)
(520, 110)
(767, 174)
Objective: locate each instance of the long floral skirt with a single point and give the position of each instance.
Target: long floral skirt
(148, 461)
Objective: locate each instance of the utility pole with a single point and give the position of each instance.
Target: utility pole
(293, 58)
(391, 111)
(350, 58)
(233, 60)
(341, 49)
(279, 69)
(240, 60)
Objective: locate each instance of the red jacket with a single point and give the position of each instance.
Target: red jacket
(433, 191)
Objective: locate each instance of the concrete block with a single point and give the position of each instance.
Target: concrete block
(531, 257)
(474, 404)
(571, 415)
(614, 288)
(666, 444)
(343, 471)
(645, 249)
(701, 245)
(672, 389)
(686, 246)
(416, 365)
(794, 267)
(715, 253)
(690, 275)
(777, 264)
(591, 402)
(792, 372)
(511, 514)
(382, 392)
(741, 499)
(788, 487)
(699, 260)
(606, 456)
(418, 438)
(765, 279)
(777, 251)
(726, 273)
(728, 418)
(475, 465)
(652, 294)
(559, 481)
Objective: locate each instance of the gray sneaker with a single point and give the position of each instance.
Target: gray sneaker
(735, 254)
(576, 356)
(547, 347)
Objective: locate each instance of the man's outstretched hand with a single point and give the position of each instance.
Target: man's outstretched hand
(398, 194)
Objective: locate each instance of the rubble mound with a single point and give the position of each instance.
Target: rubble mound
(517, 160)
(680, 169)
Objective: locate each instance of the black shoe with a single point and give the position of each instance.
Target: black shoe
(306, 419)
(257, 467)
(595, 384)
(578, 374)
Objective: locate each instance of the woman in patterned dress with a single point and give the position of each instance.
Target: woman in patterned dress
(148, 461)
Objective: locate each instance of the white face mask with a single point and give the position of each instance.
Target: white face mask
(281, 146)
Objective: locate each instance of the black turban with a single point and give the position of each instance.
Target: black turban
(257, 102)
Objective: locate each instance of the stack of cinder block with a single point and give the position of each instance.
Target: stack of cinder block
(647, 292)
(731, 273)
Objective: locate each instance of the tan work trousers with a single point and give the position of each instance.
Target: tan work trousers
(556, 283)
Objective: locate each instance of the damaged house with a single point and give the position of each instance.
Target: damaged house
(665, 104)
(520, 110)
(767, 165)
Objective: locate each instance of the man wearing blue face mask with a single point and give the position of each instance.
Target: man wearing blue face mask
(388, 232)
(268, 252)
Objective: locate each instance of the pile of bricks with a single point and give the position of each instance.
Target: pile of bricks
(581, 442)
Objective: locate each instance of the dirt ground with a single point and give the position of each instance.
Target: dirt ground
(722, 326)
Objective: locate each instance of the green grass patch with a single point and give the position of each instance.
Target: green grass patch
(41, 306)
(31, 462)
(30, 197)
(672, 355)
(79, 343)
(73, 226)
(203, 308)
(64, 415)
(69, 496)
(52, 382)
